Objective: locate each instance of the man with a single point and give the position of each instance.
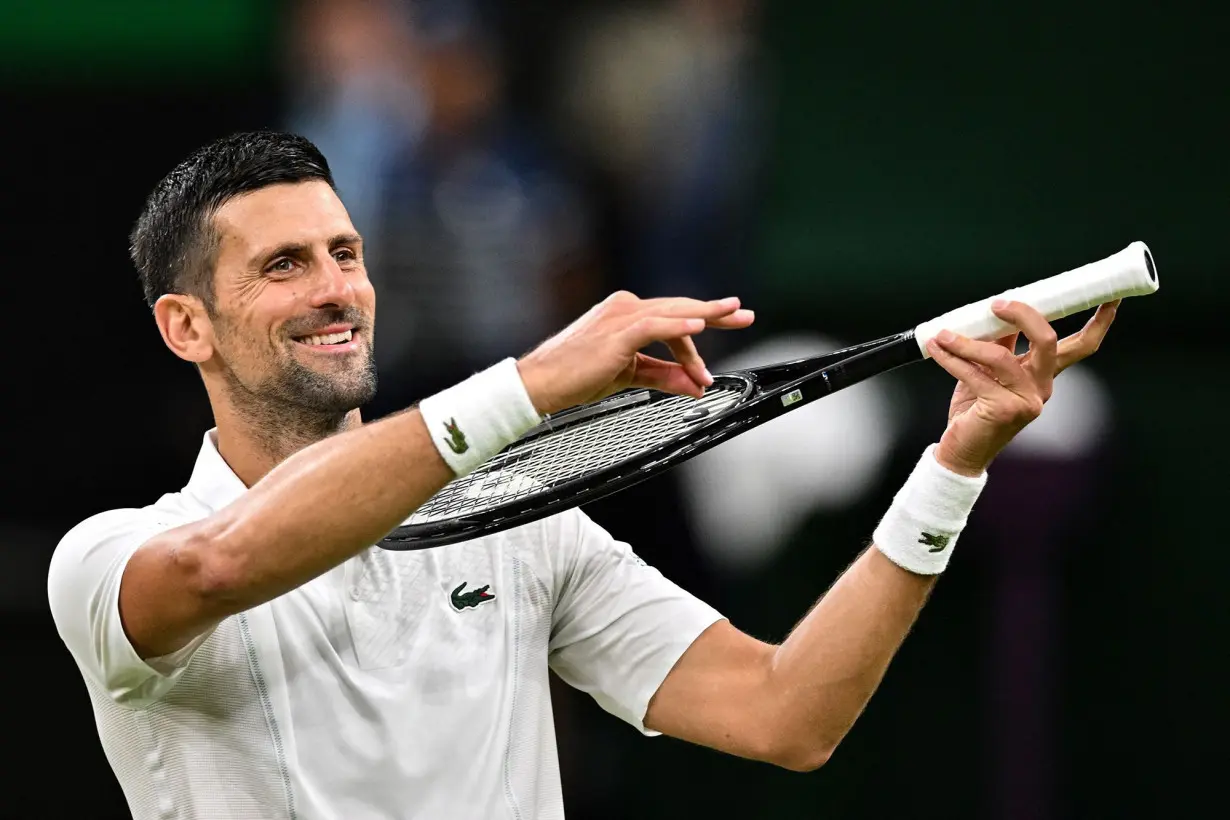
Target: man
(249, 653)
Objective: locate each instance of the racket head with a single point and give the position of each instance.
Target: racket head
(575, 457)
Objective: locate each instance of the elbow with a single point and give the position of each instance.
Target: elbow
(803, 757)
(792, 736)
(794, 748)
(207, 572)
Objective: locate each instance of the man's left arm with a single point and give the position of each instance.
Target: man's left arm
(792, 704)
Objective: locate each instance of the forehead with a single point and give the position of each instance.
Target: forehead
(296, 213)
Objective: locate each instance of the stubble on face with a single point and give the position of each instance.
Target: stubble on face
(284, 397)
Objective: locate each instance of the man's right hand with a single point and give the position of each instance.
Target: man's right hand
(599, 354)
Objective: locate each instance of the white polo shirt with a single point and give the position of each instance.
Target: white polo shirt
(393, 686)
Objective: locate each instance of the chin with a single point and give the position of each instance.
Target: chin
(331, 392)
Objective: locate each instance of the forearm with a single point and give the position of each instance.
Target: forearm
(823, 675)
(328, 502)
(321, 506)
(833, 662)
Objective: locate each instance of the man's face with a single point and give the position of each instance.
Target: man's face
(294, 309)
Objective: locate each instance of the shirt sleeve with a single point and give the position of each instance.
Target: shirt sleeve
(619, 625)
(83, 589)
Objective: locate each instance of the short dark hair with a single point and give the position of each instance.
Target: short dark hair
(174, 242)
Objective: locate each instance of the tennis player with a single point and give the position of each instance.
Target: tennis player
(250, 654)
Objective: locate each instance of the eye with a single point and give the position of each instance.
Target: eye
(344, 255)
(283, 265)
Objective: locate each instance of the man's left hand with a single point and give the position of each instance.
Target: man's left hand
(999, 392)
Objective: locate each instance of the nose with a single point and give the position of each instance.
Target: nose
(332, 286)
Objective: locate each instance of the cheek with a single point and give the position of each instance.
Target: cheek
(365, 293)
(246, 338)
(279, 304)
(261, 323)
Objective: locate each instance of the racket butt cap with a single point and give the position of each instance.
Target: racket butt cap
(1149, 266)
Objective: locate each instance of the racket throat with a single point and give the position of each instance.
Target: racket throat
(900, 350)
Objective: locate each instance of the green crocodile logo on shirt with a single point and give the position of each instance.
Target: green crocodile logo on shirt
(465, 600)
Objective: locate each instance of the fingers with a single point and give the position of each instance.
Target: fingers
(973, 376)
(736, 321)
(690, 364)
(999, 362)
(724, 314)
(650, 329)
(1009, 342)
(1087, 340)
(674, 321)
(684, 351)
(668, 377)
(1043, 343)
(683, 307)
(1004, 405)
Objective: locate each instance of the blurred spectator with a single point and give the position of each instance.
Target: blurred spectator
(668, 101)
(353, 87)
(479, 244)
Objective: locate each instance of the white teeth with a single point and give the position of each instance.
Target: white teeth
(330, 339)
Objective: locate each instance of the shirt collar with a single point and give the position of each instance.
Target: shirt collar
(213, 482)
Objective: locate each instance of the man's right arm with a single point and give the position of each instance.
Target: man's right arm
(322, 505)
(339, 496)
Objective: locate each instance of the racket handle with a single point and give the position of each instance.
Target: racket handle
(1130, 272)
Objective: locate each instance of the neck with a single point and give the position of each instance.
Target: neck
(253, 440)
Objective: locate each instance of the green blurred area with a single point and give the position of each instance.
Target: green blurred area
(975, 146)
(114, 40)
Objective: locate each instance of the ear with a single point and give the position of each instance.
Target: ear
(185, 327)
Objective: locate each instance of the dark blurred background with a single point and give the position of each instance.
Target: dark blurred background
(850, 170)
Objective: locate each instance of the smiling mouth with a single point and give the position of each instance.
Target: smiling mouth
(327, 339)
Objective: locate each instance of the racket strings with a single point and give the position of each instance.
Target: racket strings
(538, 464)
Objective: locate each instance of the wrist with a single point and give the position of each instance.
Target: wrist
(475, 419)
(920, 529)
(951, 459)
(534, 389)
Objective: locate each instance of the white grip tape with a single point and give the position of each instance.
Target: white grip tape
(1130, 272)
(472, 421)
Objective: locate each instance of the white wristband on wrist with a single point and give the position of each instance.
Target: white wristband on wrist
(472, 421)
(920, 529)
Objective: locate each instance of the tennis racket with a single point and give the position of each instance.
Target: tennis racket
(594, 450)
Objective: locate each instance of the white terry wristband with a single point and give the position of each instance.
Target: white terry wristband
(472, 421)
(920, 529)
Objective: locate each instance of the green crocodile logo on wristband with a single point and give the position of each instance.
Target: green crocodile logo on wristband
(456, 440)
(937, 543)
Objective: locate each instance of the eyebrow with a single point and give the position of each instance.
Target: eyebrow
(300, 249)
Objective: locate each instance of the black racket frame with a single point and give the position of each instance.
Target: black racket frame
(764, 393)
